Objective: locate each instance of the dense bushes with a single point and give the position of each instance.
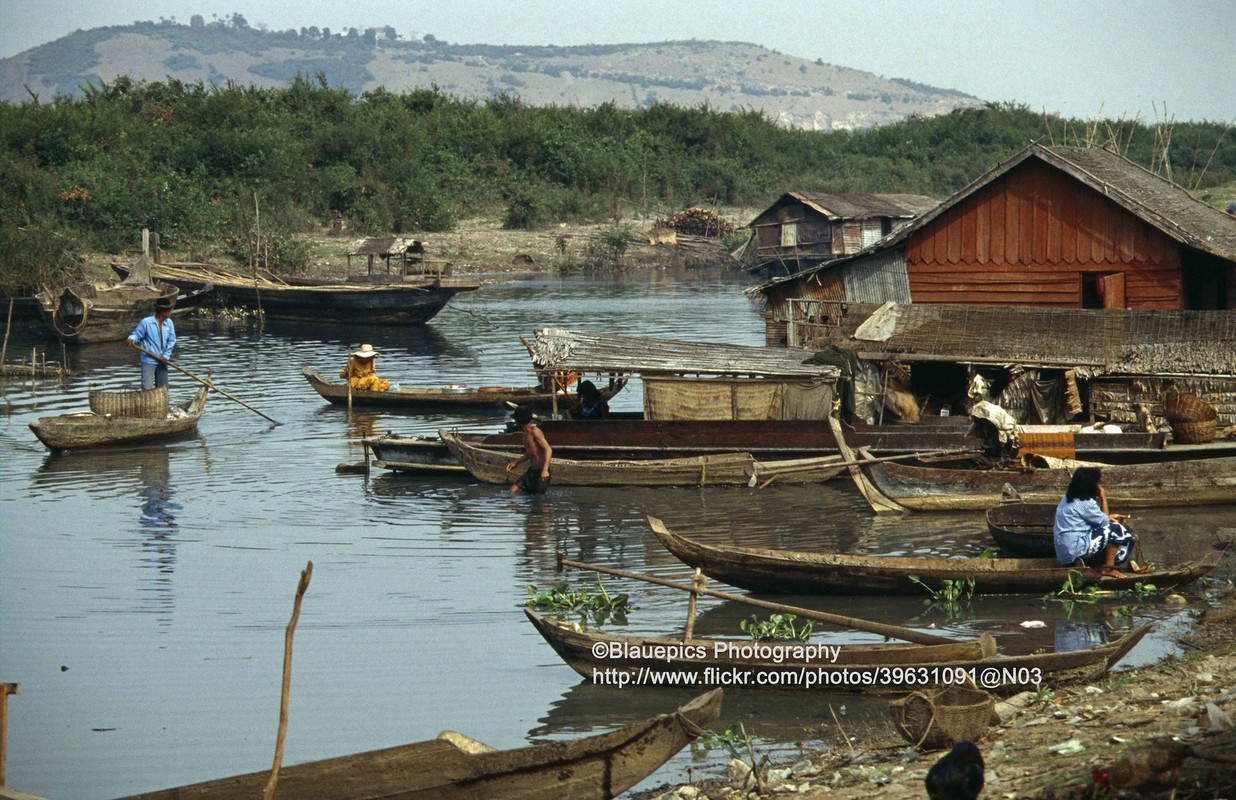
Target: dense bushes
(199, 164)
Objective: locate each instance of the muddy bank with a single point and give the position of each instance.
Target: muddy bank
(1048, 742)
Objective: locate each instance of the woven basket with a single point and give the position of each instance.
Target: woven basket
(1178, 407)
(936, 719)
(142, 404)
(1194, 432)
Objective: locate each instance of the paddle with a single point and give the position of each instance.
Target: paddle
(202, 381)
(883, 629)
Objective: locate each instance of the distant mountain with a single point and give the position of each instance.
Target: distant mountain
(728, 76)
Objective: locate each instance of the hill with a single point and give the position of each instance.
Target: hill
(727, 76)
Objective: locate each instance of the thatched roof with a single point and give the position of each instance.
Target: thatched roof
(1123, 342)
(1153, 199)
(382, 246)
(558, 349)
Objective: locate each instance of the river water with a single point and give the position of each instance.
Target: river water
(144, 593)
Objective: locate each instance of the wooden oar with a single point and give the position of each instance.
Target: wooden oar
(204, 382)
(881, 628)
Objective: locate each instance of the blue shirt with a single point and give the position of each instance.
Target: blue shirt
(1074, 521)
(148, 336)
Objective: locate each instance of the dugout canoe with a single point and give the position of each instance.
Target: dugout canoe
(1198, 481)
(1022, 529)
(455, 767)
(96, 429)
(858, 667)
(799, 572)
(336, 392)
(488, 465)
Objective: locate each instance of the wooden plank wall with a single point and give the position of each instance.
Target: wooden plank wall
(1026, 238)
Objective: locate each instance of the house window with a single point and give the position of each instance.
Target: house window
(789, 234)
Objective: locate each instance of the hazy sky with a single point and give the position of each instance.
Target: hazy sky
(1079, 58)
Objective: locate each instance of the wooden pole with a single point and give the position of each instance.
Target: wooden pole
(697, 580)
(305, 575)
(6, 689)
(883, 629)
(875, 498)
(4, 354)
(205, 382)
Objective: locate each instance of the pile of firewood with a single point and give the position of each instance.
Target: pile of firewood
(699, 222)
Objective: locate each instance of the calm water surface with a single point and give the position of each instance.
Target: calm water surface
(144, 593)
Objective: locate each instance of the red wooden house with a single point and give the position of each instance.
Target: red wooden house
(1059, 227)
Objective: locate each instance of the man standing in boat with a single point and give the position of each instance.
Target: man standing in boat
(537, 452)
(156, 336)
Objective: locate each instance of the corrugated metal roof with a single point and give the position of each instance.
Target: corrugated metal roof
(858, 206)
(558, 349)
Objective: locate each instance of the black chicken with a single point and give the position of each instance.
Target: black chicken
(958, 775)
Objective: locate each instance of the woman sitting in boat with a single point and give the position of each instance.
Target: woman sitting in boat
(1085, 532)
(592, 404)
(361, 373)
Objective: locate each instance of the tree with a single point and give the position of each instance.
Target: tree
(196, 21)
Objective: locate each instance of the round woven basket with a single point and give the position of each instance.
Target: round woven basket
(936, 719)
(1179, 407)
(1194, 432)
(142, 403)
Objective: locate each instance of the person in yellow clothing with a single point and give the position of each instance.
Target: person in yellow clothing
(361, 373)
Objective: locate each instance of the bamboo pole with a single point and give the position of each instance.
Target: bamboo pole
(305, 575)
(4, 354)
(881, 628)
(204, 382)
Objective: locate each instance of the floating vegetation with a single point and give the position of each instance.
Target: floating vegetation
(596, 605)
(778, 627)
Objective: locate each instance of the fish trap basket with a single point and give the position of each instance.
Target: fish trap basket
(936, 719)
(1194, 432)
(140, 404)
(1180, 407)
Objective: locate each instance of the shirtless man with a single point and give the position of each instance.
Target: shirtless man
(536, 451)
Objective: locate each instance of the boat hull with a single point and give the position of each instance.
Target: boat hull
(454, 767)
(86, 313)
(865, 668)
(1166, 483)
(89, 430)
(801, 572)
(465, 397)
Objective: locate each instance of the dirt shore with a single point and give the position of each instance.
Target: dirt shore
(1048, 742)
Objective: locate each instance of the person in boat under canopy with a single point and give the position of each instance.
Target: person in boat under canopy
(361, 373)
(1086, 533)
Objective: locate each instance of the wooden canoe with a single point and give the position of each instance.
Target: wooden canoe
(454, 766)
(488, 465)
(799, 572)
(90, 430)
(871, 668)
(470, 396)
(1024, 529)
(402, 300)
(1197, 481)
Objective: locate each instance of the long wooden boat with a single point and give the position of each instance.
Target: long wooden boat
(97, 311)
(1024, 529)
(403, 300)
(766, 440)
(800, 572)
(416, 397)
(90, 430)
(488, 465)
(790, 665)
(455, 767)
(1165, 483)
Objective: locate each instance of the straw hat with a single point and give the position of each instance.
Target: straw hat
(365, 351)
(164, 304)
